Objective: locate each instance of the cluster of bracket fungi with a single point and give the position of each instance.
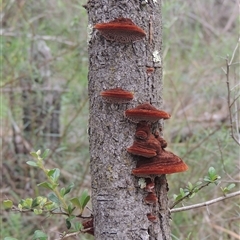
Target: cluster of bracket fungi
(152, 158)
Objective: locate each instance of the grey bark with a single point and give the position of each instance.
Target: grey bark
(118, 207)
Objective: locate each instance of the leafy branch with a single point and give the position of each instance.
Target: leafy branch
(191, 189)
(56, 201)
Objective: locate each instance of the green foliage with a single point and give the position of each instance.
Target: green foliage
(39, 235)
(81, 202)
(56, 202)
(7, 204)
(227, 189)
(212, 176)
(191, 189)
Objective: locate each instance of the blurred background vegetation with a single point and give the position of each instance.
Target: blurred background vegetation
(197, 36)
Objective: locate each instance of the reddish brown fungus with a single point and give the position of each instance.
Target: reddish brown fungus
(121, 30)
(146, 112)
(151, 217)
(151, 198)
(88, 227)
(150, 187)
(148, 148)
(165, 163)
(117, 95)
(161, 140)
(140, 151)
(142, 131)
(149, 70)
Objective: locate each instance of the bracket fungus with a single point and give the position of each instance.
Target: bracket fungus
(142, 131)
(137, 150)
(147, 147)
(146, 112)
(121, 30)
(151, 198)
(117, 95)
(150, 187)
(151, 217)
(88, 227)
(161, 140)
(165, 163)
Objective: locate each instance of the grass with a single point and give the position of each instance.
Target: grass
(196, 38)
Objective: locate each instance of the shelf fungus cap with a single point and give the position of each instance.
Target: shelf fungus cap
(147, 148)
(146, 112)
(121, 30)
(151, 198)
(143, 131)
(165, 163)
(151, 217)
(117, 95)
(140, 151)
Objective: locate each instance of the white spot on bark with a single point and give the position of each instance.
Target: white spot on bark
(156, 56)
(89, 32)
(142, 183)
(155, 1)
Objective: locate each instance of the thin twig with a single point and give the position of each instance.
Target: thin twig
(228, 64)
(205, 204)
(38, 37)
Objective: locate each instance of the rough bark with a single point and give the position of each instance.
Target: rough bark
(118, 207)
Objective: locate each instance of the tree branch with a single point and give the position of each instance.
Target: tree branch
(227, 72)
(205, 204)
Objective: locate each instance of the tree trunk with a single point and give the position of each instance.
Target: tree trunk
(118, 207)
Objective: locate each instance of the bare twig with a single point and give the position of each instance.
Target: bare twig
(38, 37)
(229, 232)
(207, 203)
(230, 104)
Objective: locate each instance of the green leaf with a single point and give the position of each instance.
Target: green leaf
(46, 185)
(68, 223)
(39, 235)
(34, 154)
(178, 197)
(70, 209)
(231, 186)
(31, 163)
(52, 196)
(20, 207)
(27, 203)
(35, 202)
(192, 195)
(75, 202)
(84, 199)
(190, 186)
(77, 226)
(37, 211)
(212, 172)
(45, 154)
(54, 174)
(69, 188)
(62, 191)
(7, 204)
(182, 192)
